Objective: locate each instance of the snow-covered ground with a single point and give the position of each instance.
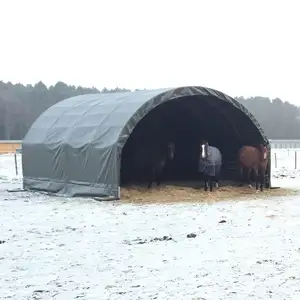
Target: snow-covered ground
(57, 248)
(283, 171)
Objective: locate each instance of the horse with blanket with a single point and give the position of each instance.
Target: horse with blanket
(210, 164)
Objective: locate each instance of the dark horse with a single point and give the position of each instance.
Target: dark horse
(151, 159)
(256, 159)
(210, 164)
(157, 160)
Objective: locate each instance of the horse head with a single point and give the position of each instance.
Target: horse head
(171, 150)
(264, 151)
(203, 149)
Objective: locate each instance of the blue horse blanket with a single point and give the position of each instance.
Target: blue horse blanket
(211, 165)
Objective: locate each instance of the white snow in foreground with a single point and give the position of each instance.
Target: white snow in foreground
(58, 248)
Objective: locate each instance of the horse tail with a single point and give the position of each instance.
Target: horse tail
(240, 165)
(240, 153)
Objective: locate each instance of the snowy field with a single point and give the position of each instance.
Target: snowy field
(57, 248)
(284, 170)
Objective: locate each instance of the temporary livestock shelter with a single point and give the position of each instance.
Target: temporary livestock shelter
(75, 147)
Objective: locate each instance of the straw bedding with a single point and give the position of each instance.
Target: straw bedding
(194, 193)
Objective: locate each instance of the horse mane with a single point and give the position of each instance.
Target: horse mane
(263, 150)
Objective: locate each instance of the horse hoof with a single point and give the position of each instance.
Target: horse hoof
(250, 186)
(217, 185)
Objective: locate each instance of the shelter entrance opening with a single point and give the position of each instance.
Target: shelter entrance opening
(186, 121)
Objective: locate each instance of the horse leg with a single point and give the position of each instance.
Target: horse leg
(210, 183)
(158, 177)
(159, 173)
(159, 169)
(249, 177)
(151, 175)
(217, 177)
(217, 181)
(256, 178)
(262, 179)
(241, 176)
(205, 182)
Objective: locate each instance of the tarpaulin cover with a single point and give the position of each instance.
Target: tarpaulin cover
(74, 147)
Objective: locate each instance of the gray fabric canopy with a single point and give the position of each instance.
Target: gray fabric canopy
(74, 147)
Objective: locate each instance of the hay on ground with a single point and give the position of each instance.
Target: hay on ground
(173, 193)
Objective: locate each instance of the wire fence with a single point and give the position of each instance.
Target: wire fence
(288, 158)
(284, 154)
(284, 144)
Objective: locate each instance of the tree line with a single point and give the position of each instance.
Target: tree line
(20, 105)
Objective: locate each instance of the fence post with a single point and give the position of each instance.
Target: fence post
(16, 164)
(275, 160)
(295, 159)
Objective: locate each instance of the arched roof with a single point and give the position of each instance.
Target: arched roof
(74, 147)
(105, 119)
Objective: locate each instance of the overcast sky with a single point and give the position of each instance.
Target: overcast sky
(239, 47)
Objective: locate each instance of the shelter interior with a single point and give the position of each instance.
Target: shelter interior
(186, 121)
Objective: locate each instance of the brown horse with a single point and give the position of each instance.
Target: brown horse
(255, 159)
